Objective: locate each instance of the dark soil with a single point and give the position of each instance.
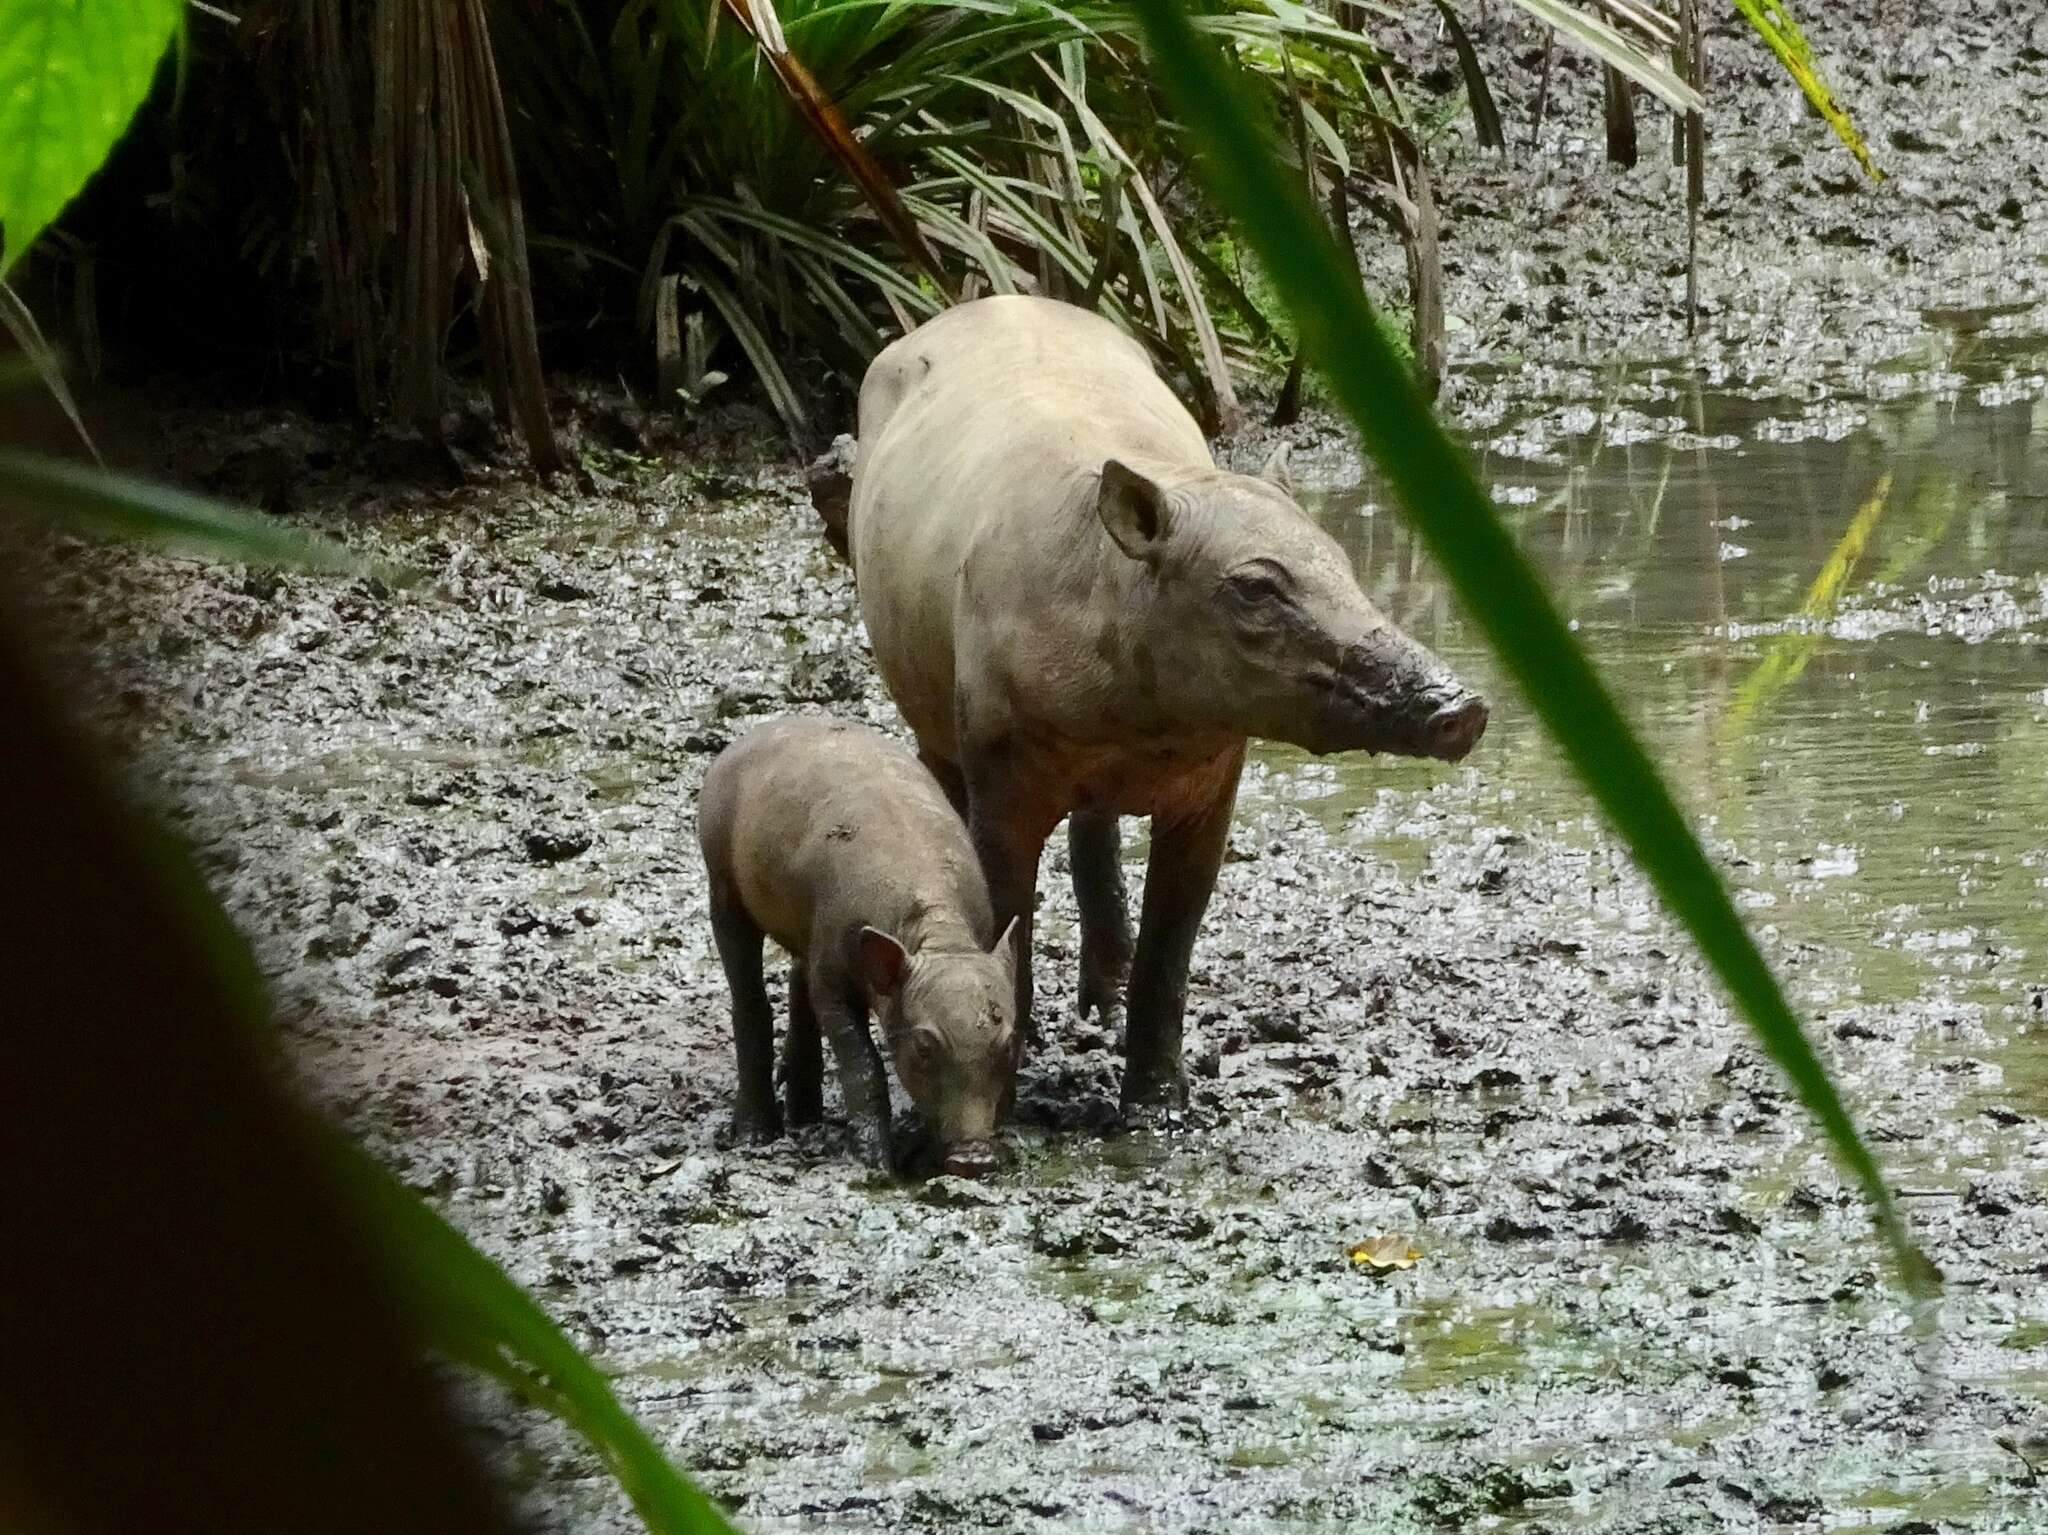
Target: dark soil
(455, 818)
(1817, 285)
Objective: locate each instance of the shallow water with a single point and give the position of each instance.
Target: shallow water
(1837, 648)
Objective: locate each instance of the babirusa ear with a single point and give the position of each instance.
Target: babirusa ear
(1004, 944)
(1133, 509)
(1276, 471)
(879, 964)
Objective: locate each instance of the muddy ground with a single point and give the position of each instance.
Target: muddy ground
(1816, 284)
(456, 819)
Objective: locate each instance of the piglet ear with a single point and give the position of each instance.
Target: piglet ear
(879, 964)
(1002, 945)
(1276, 471)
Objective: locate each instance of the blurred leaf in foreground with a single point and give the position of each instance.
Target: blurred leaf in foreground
(1499, 589)
(72, 73)
(192, 1335)
(117, 505)
(192, 1252)
(472, 1312)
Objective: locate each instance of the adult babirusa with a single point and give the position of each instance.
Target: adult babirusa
(1081, 616)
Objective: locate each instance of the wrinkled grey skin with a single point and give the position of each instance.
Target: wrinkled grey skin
(1079, 614)
(836, 843)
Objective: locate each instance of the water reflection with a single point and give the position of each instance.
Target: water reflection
(1833, 640)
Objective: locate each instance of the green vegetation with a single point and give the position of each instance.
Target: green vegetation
(732, 189)
(71, 76)
(115, 505)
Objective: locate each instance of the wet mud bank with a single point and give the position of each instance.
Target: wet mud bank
(1563, 272)
(456, 819)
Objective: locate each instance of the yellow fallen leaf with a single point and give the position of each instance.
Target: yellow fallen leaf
(1388, 1251)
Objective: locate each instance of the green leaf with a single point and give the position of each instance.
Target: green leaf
(1500, 590)
(1595, 38)
(72, 73)
(41, 360)
(1774, 24)
(114, 504)
(468, 1309)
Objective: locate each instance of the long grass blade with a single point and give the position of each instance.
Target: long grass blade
(1478, 94)
(948, 228)
(20, 322)
(1213, 363)
(857, 331)
(1004, 197)
(102, 502)
(822, 116)
(759, 352)
(1500, 589)
(1607, 45)
(1781, 34)
(1660, 29)
(468, 1309)
(839, 251)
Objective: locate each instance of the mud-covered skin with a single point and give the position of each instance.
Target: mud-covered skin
(833, 841)
(1081, 614)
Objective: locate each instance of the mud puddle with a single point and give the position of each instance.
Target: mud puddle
(1838, 646)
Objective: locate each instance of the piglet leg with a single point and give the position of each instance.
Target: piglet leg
(843, 1020)
(755, 1115)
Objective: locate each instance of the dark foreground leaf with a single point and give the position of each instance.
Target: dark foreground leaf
(202, 1218)
(193, 1334)
(1501, 591)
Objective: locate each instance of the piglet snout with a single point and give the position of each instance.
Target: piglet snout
(970, 1159)
(1451, 733)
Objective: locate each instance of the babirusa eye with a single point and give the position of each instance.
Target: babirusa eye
(1259, 582)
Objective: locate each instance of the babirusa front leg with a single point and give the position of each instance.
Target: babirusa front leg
(1178, 883)
(1009, 831)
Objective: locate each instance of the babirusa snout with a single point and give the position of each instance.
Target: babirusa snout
(970, 1159)
(1455, 729)
(1392, 695)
